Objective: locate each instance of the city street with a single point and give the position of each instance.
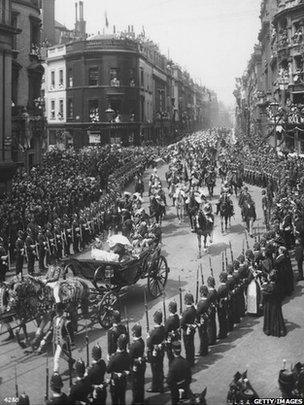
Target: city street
(246, 348)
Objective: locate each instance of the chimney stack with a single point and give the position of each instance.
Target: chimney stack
(76, 12)
(80, 10)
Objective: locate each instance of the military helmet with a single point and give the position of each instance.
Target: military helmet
(172, 307)
(122, 342)
(96, 352)
(56, 381)
(80, 367)
(158, 317)
(136, 329)
(188, 299)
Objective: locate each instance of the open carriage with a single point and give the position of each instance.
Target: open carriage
(110, 278)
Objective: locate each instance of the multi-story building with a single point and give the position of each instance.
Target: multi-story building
(278, 81)
(27, 71)
(55, 95)
(7, 39)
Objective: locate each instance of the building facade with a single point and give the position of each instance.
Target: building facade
(7, 38)
(120, 88)
(28, 124)
(270, 95)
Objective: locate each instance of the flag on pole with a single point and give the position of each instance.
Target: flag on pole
(106, 20)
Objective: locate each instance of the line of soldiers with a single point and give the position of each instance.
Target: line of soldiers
(67, 235)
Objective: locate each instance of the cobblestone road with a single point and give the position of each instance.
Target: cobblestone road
(245, 348)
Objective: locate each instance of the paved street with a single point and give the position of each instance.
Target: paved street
(245, 348)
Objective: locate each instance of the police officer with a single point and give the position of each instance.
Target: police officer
(58, 397)
(119, 368)
(155, 346)
(203, 319)
(188, 325)
(138, 365)
(179, 375)
(95, 377)
(115, 331)
(172, 329)
(80, 389)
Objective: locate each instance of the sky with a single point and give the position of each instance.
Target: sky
(212, 39)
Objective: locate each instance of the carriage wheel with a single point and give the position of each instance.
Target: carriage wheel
(106, 306)
(157, 276)
(68, 271)
(99, 279)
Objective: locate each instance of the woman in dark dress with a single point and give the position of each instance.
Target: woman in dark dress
(274, 324)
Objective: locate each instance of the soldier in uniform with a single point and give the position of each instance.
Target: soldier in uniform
(95, 376)
(20, 253)
(115, 331)
(155, 347)
(3, 261)
(42, 247)
(58, 397)
(179, 375)
(138, 366)
(67, 235)
(75, 234)
(202, 319)
(213, 303)
(58, 241)
(119, 368)
(172, 329)
(80, 389)
(231, 298)
(188, 326)
(51, 244)
(62, 332)
(222, 310)
(30, 252)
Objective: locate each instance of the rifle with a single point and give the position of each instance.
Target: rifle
(47, 378)
(146, 311)
(16, 382)
(223, 262)
(87, 344)
(127, 319)
(197, 286)
(202, 275)
(180, 296)
(164, 307)
(9, 257)
(226, 260)
(243, 247)
(231, 252)
(211, 269)
(246, 237)
(36, 250)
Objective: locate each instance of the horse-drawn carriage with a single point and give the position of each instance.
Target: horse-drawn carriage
(90, 285)
(111, 278)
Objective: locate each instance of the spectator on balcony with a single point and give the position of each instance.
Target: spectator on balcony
(115, 82)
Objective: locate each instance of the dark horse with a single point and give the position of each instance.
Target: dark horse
(225, 208)
(248, 214)
(210, 181)
(157, 209)
(139, 185)
(203, 227)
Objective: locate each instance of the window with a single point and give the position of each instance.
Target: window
(93, 76)
(61, 77)
(52, 109)
(14, 24)
(52, 79)
(35, 33)
(70, 108)
(132, 78)
(142, 77)
(60, 113)
(114, 77)
(94, 111)
(70, 77)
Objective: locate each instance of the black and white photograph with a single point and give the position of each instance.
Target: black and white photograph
(151, 202)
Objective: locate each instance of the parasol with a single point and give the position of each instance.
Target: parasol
(115, 239)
